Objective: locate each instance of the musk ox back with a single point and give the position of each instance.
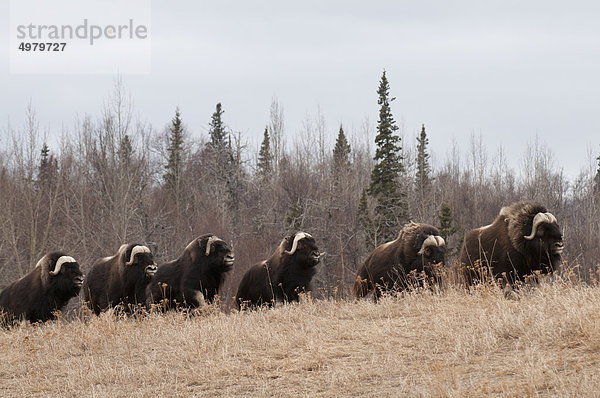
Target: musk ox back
(286, 273)
(120, 279)
(195, 277)
(418, 249)
(524, 239)
(47, 288)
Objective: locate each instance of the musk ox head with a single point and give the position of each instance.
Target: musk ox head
(433, 250)
(425, 239)
(61, 272)
(135, 255)
(534, 232)
(302, 247)
(212, 250)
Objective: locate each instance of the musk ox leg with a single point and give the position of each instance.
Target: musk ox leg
(510, 293)
(199, 299)
(94, 306)
(377, 292)
(360, 288)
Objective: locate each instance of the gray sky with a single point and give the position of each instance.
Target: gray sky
(503, 69)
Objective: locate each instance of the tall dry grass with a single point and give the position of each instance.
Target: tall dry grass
(544, 343)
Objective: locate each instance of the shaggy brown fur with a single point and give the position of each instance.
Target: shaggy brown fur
(281, 277)
(389, 265)
(112, 281)
(501, 250)
(193, 278)
(37, 295)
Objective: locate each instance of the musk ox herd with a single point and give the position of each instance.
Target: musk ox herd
(524, 240)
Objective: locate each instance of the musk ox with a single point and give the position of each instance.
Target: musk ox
(195, 277)
(47, 288)
(120, 279)
(418, 249)
(524, 239)
(286, 273)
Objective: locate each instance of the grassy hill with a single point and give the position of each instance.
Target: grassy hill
(545, 342)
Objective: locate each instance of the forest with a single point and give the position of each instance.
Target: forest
(114, 179)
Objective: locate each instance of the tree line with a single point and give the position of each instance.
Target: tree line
(114, 179)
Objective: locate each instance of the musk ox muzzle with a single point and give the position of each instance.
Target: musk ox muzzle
(151, 270)
(229, 260)
(316, 256)
(558, 248)
(78, 281)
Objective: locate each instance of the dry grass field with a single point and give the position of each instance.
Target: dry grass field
(546, 342)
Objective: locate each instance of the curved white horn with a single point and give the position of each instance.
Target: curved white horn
(209, 243)
(551, 218)
(440, 241)
(136, 250)
(537, 220)
(61, 260)
(297, 238)
(431, 241)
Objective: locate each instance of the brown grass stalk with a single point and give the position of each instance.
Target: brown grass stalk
(546, 342)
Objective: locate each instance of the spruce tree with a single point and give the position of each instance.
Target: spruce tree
(44, 162)
(220, 148)
(423, 178)
(225, 163)
(174, 167)
(47, 169)
(125, 151)
(446, 228)
(391, 207)
(341, 155)
(218, 135)
(265, 157)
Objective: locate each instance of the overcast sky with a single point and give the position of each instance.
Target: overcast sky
(508, 70)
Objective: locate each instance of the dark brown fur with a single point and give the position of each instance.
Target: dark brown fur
(178, 283)
(111, 282)
(37, 295)
(390, 264)
(282, 276)
(501, 248)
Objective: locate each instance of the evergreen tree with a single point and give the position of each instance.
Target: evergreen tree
(423, 178)
(44, 161)
(341, 155)
(225, 164)
(218, 135)
(446, 228)
(174, 167)
(391, 207)
(219, 146)
(47, 169)
(265, 157)
(125, 151)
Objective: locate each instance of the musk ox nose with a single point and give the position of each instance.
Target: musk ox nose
(229, 259)
(316, 256)
(78, 281)
(151, 269)
(558, 248)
